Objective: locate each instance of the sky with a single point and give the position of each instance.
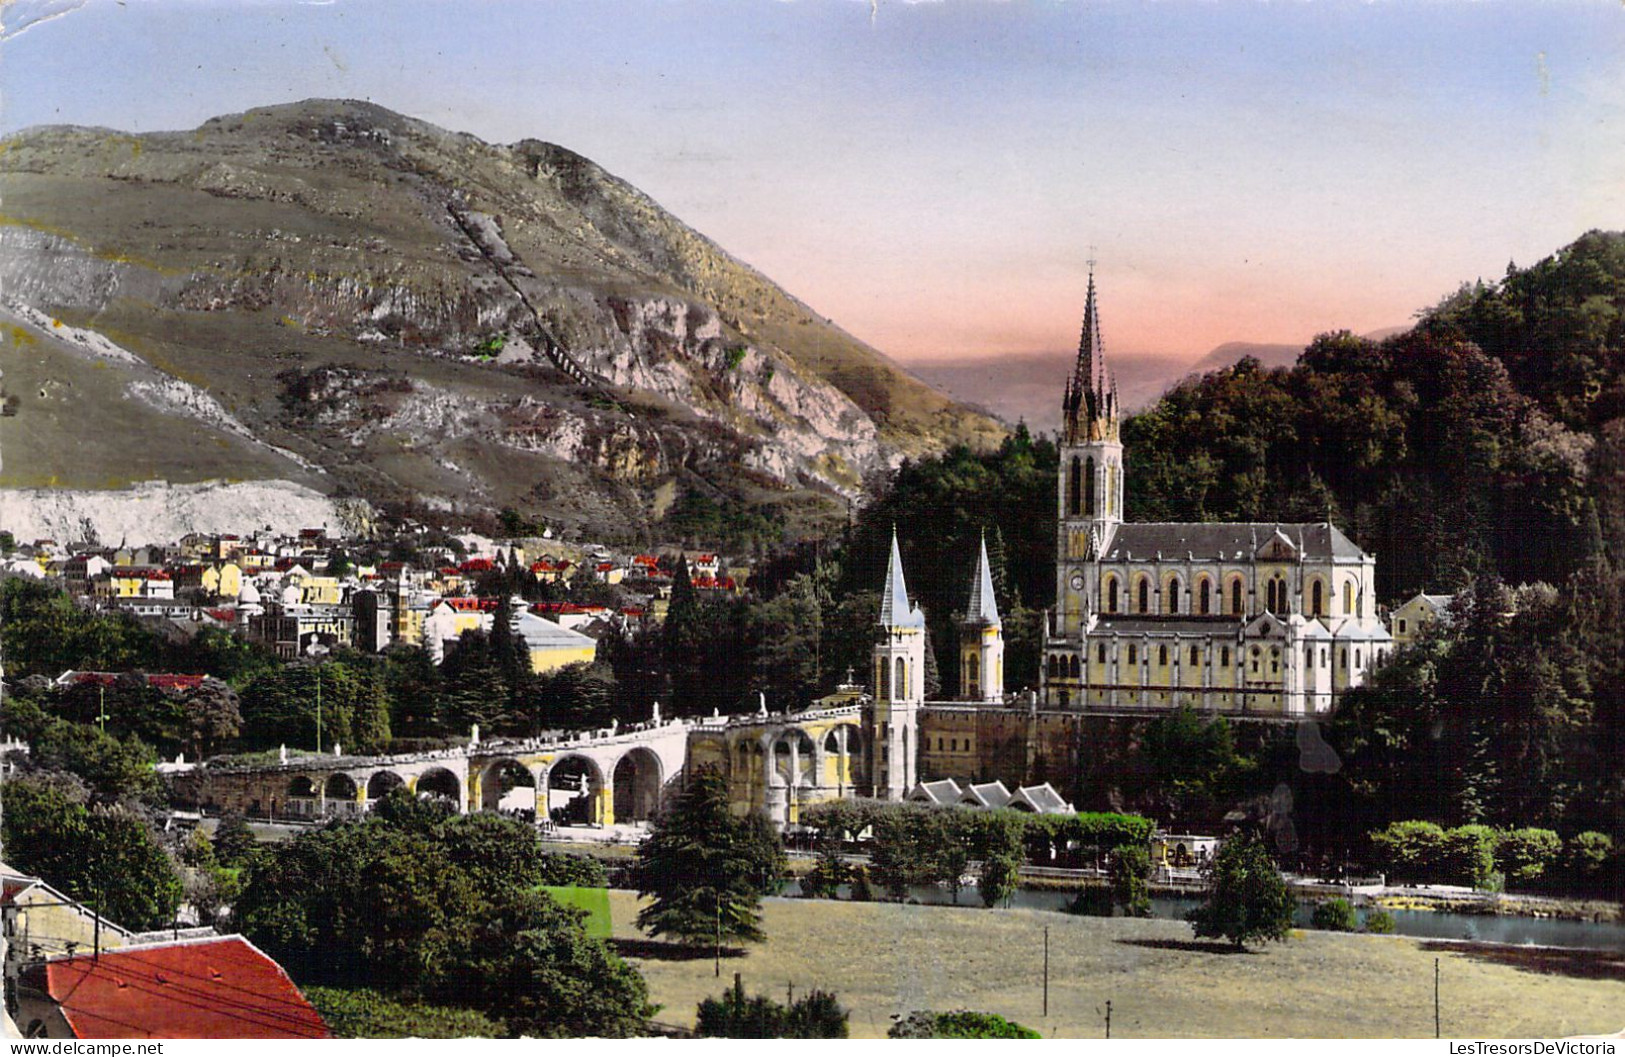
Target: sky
(936, 176)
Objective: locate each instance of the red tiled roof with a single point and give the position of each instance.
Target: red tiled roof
(471, 605)
(222, 988)
(477, 565)
(227, 615)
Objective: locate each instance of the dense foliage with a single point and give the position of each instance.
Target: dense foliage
(422, 904)
(106, 857)
(364, 1014)
(959, 1024)
(817, 1015)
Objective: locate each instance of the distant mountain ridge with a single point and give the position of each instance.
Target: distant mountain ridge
(1026, 387)
(334, 294)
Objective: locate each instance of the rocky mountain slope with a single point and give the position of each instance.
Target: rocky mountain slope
(333, 294)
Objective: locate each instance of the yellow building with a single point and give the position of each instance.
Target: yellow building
(551, 645)
(1248, 617)
(1414, 617)
(40, 921)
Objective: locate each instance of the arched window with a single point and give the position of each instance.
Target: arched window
(1145, 595)
(1054, 666)
(1173, 596)
(1077, 667)
(972, 674)
(1348, 598)
(1343, 659)
(1316, 605)
(1111, 490)
(1308, 656)
(1205, 597)
(1195, 657)
(1100, 653)
(1133, 655)
(1235, 597)
(1089, 487)
(1356, 658)
(900, 680)
(882, 683)
(1224, 657)
(1073, 489)
(1111, 594)
(1162, 655)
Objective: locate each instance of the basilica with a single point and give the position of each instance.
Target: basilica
(1248, 617)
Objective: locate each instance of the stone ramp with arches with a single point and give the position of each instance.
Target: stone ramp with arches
(596, 778)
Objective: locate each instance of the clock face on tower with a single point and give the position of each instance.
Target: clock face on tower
(1077, 581)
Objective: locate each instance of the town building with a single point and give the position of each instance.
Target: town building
(213, 987)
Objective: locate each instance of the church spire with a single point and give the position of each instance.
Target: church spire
(983, 608)
(895, 611)
(1090, 405)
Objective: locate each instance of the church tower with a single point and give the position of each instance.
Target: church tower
(981, 639)
(1090, 492)
(899, 671)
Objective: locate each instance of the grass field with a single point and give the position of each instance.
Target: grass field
(882, 959)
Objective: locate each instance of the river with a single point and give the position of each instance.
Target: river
(1425, 924)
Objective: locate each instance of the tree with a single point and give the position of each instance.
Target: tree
(818, 1015)
(213, 718)
(705, 869)
(1334, 915)
(1248, 899)
(233, 841)
(999, 877)
(106, 858)
(960, 1024)
(1130, 866)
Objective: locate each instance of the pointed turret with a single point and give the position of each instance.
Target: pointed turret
(1090, 405)
(983, 608)
(895, 611)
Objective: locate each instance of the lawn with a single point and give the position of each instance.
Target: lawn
(883, 958)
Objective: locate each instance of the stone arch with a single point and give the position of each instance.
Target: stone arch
(843, 753)
(382, 783)
(301, 788)
(440, 783)
(575, 787)
(1204, 596)
(340, 786)
(1111, 593)
(1143, 589)
(794, 758)
(1172, 594)
(507, 785)
(636, 780)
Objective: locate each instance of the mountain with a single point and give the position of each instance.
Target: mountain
(1232, 352)
(1026, 387)
(331, 294)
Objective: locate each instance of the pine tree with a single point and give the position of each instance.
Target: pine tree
(705, 869)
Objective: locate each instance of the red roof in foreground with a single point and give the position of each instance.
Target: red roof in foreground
(223, 988)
